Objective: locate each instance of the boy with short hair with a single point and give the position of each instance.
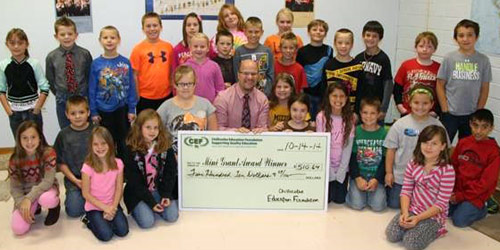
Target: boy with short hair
(376, 77)
(71, 146)
(313, 58)
(67, 67)
(463, 80)
(286, 62)
(257, 52)
(224, 43)
(476, 160)
(151, 61)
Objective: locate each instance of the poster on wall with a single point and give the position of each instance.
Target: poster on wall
(78, 11)
(487, 14)
(303, 11)
(177, 9)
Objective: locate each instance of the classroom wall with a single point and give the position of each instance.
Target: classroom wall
(37, 18)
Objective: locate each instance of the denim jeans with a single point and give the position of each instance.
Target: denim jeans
(357, 199)
(74, 203)
(393, 196)
(464, 213)
(337, 191)
(454, 123)
(61, 111)
(315, 106)
(145, 216)
(19, 117)
(104, 229)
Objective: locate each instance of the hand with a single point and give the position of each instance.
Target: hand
(243, 130)
(381, 116)
(355, 118)
(9, 112)
(259, 130)
(110, 210)
(36, 111)
(131, 117)
(278, 127)
(227, 84)
(96, 119)
(165, 202)
(433, 114)
(287, 130)
(389, 179)
(372, 185)
(453, 199)
(158, 208)
(108, 217)
(78, 183)
(403, 218)
(410, 222)
(25, 209)
(361, 183)
(402, 110)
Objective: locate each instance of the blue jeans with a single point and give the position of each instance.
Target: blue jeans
(315, 106)
(357, 199)
(19, 117)
(145, 216)
(393, 196)
(104, 229)
(454, 123)
(61, 112)
(74, 203)
(464, 214)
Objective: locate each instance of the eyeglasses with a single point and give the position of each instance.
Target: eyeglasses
(185, 84)
(249, 73)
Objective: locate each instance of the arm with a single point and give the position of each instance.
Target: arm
(380, 174)
(43, 86)
(222, 113)
(167, 186)
(269, 72)
(89, 197)
(353, 166)
(389, 163)
(67, 172)
(135, 178)
(132, 94)
(136, 75)
(49, 166)
(344, 161)
(219, 80)
(93, 88)
(50, 74)
(441, 95)
(236, 64)
(212, 122)
(388, 87)
(16, 185)
(484, 184)
(398, 98)
(263, 115)
(483, 95)
(5, 104)
(118, 190)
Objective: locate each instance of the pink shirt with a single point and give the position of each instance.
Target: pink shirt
(102, 185)
(229, 105)
(426, 190)
(151, 172)
(209, 80)
(181, 55)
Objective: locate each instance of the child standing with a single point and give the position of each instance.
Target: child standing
(477, 161)
(152, 61)
(402, 138)
(337, 119)
(343, 67)
(151, 172)
(71, 148)
(463, 80)
(67, 67)
(299, 111)
(366, 166)
(209, 77)
(419, 70)
(230, 19)
(428, 183)
(286, 62)
(313, 58)
(376, 77)
(284, 21)
(32, 169)
(224, 43)
(279, 111)
(112, 94)
(102, 184)
(256, 52)
(21, 77)
(190, 26)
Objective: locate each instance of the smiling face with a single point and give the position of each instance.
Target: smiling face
(30, 140)
(17, 47)
(317, 34)
(100, 147)
(288, 49)
(369, 115)
(199, 48)
(283, 90)
(298, 112)
(230, 19)
(284, 23)
(78, 115)
(152, 29)
(343, 43)
(185, 86)
(66, 35)
(432, 149)
(421, 105)
(371, 39)
(150, 130)
(338, 100)
(247, 75)
(109, 40)
(253, 34)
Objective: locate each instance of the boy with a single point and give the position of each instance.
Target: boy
(151, 61)
(67, 67)
(71, 146)
(257, 52)
(313, 58)
(477, 161)
(463, 80)
(366, 166)
(343, 67)
(286, 62)
(224, 43)
(420, 70)
(376, 77)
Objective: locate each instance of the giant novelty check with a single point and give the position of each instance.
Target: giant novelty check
(269, 171)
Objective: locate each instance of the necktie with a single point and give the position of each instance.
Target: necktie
(70, 73)
(245, 115)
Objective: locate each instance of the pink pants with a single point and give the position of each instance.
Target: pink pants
(49, 199)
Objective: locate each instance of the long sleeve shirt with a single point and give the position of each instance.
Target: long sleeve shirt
(209, 80)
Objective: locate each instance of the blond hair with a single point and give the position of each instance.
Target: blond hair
(92, 159)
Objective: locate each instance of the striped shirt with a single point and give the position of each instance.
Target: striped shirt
(429, 189)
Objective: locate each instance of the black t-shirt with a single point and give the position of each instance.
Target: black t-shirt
(345, 72)
(226, 67)
(313, 60)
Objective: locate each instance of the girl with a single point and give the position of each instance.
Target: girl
(402, 138)
(21, 77)
(186, 111)
(428, 184)
(112, 88)
(299, 106)
(209, 75)
(337, 118)
(151, 170)
(284, 20)
(102, 184)
(32, 169)
(190, 26)
(283, 91)
(230, 19)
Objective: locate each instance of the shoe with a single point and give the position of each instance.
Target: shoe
(84, 220)
(52, 216)
(38, 210)
(492, 205)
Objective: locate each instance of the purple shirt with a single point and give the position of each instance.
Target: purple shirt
(229, 105)
(209, 80)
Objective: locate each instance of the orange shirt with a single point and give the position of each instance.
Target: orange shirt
(152, 62)
(273, 42)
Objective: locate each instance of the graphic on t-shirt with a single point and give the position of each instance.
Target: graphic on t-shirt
(187, 121)
(111, 82)
(372, 67)
(342, 74)
(163, 57)
(421, 77)
(471, 157)
(466, 71)
(151, 168)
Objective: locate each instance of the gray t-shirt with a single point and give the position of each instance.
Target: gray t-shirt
(403, 136)
(265, 62)
(464, 76)
(72, 147)
(175, 118)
